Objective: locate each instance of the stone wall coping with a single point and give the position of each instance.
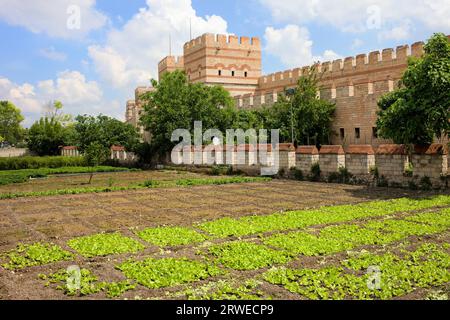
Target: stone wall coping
(432, 149)
(69, 148)
(390, 149)
(117, 148)
(360, 149)
(331, 149)
(307, 150)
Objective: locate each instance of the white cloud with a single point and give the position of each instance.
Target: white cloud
(363, 15)
(131, 54)
(51, 17)
(78, 95)
(357, 43)
(52, 54)
(293, 46)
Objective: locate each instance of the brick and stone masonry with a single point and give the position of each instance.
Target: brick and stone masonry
(331, 158)
(430, 161)
(391, 161)
(306, 157)
(359, 159)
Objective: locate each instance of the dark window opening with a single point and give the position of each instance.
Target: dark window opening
(232, 73)
(245, 74)
(220, 72)
(199, 74)
(342, 133)
(357, 133)
(375, 132)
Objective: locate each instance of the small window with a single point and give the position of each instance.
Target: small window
(220, 72)
(199, 74)
(375, 132)
(357, 133)
(232, 73)
(342, 133)
(245, 74)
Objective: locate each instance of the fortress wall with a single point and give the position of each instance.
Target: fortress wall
(230, 61)
(354, 84)
(170, 64)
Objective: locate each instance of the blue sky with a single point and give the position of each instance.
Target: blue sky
(95, 67)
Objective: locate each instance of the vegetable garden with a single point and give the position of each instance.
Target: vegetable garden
(318, 253)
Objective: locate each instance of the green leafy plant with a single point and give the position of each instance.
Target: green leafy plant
(159, 273)
(28, 255)
(171, 236)
(241, 255)
(104, 244)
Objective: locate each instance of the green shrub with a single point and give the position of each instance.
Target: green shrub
(409, 170)
(425, 183)
(296, 174)
(382, 182)
(315, 172)
(412, 185)
(16, 163)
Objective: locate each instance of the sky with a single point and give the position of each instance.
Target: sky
(91, 54)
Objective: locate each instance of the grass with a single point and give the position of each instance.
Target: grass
(171, 236)
(426, 267)
(104, 244)
(159, 273)
(242, 255)
(23, 175)
(227, 227)
(145, 185)
(28, 255)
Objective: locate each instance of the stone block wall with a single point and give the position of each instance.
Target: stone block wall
(331, 158)
(306, 157)
(430, 161)
(391, 161)
(359, 159)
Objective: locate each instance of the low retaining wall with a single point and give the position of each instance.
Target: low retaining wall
(306, 157)
(331, 158)
(388, 162)
(359, 159)
(14, 152)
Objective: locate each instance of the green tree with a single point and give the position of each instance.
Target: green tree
(95, 154)
(52, 131)
(300, 114)
(10, 119)
(45, 136)
(105, 131)
(176, 104)
(419, 110)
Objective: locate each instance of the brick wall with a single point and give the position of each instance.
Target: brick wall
(391, 161)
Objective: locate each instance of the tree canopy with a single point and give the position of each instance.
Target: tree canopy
(176, 104)
(10, 120)
(105, 131)
(420, 109)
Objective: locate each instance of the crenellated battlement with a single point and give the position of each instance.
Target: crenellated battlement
(222, 41)
(345, 69)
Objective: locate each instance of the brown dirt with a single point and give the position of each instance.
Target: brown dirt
(59, 218)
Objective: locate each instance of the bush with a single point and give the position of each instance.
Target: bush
(425, 183)
(315, 172)
(412, 185)
(220, 170)
(296, 174)
(409, 170)
(382, 182)
(16, 163)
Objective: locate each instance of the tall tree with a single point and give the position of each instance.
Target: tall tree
(105, 131)
(176, 104)
(300, 114)
(420, 109)
(50, 132)
(10, 119)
